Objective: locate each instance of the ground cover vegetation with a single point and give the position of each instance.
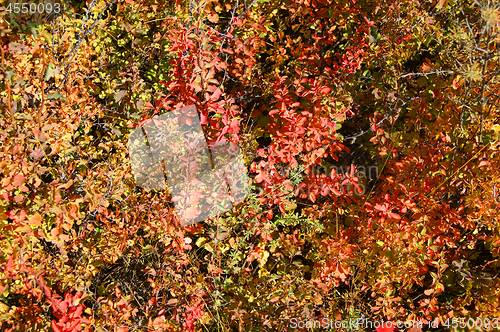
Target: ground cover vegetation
(315, 93)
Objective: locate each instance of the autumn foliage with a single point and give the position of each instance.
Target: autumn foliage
(370, 131)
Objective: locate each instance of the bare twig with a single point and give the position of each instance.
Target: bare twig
(9, 96)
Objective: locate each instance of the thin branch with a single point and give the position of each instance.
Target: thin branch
(431, 73)
(9, 96)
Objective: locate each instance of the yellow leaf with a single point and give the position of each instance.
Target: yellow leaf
(224, 248)
(201, 242)
(263, 260)
(290, 206)
(496, 129)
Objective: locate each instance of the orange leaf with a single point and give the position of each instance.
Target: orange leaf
(18, 180)
(35, 220)
(274, 299)
(214, 18)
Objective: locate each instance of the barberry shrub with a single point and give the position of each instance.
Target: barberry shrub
(313, 92)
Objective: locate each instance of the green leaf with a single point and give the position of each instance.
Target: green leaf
(264, 121)
(24, 116)
(422, 81)
(56, 95)
(20, 81)
(10, 73)
(49, 73)
(46, 35)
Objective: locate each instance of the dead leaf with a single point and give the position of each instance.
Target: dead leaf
(172, 302)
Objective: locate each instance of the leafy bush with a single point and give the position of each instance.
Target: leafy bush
(312, 92)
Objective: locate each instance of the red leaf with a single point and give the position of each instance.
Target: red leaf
(196, 86)
(18, 180)
(234, 127)
(62, 306)
(9, 266)
(325, 90)
(216, 95)
(336, 192)
(394, 215)
(56, 326)
(386, 327)
(78, 312)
